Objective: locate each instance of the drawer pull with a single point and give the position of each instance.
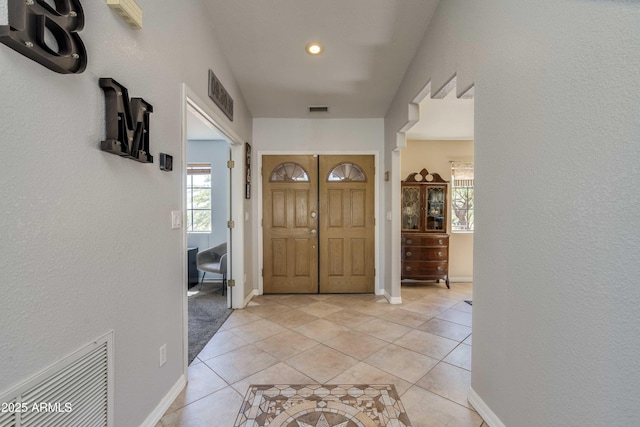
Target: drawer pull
(409, 241)
(408, 268)
(440, 254)
(409, 254)
(439, 241)
(439, 268)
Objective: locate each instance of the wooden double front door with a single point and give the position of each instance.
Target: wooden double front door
(318, 224)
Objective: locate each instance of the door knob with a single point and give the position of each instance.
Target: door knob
(313, 214)
(313, 232)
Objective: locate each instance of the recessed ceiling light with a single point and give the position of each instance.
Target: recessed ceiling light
(314, 48)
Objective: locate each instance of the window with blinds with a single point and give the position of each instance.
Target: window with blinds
(462, 203)
(198, 198)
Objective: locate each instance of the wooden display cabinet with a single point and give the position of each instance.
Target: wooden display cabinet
(425, 221)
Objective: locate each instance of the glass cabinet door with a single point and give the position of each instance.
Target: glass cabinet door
(435, 208)
(411, 208)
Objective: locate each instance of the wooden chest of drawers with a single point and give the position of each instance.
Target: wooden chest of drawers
(425, 242)
(425, 256)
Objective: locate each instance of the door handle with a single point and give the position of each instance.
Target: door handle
(313, 232)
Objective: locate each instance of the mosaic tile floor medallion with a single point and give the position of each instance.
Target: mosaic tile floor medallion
(315, 405)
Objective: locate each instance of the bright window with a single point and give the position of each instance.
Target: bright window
(347, 172)
(462, 203)
(289, 172)
(198, 198)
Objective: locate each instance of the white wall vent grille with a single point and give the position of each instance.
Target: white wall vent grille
(318, 109)
(77, 391)
(8, 419)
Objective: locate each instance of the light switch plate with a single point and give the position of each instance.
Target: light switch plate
(176, 219)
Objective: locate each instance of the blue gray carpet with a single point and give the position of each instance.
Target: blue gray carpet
(207, 312)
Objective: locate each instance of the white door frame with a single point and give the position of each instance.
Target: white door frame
(235, 295)
(378, 288)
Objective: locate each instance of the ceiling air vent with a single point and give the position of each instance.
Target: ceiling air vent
(319, 109)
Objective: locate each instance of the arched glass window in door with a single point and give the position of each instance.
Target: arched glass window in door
(347, 172)
(289, 172)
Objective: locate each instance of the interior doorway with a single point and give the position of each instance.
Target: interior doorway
(318, 223)
(207, 203)
(232, 210)
(442, 142)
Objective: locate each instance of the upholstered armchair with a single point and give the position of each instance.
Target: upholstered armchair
(213, 260)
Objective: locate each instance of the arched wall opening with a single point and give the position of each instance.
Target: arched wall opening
(450, 91)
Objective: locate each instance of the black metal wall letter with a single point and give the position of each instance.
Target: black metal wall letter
(127, 123)
(32, 22)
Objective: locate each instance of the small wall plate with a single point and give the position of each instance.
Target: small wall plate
(166, 162)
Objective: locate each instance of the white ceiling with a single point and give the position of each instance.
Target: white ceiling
(368, 45)
(441, 119)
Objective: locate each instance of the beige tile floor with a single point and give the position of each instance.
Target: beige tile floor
(423, 346)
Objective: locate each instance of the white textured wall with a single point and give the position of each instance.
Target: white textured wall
(86, 239)
(4, 11)
(557, 155)
(324, 136)
(319, 135)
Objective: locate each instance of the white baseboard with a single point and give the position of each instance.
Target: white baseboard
(252, 294)
(154, 417)
(392, 300)
(483, 409)
(460, 279)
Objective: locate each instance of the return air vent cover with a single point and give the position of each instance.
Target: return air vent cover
(318, 109)
(76, 391)
(8, 419)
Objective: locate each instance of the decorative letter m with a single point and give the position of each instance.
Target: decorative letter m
(127, 123)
